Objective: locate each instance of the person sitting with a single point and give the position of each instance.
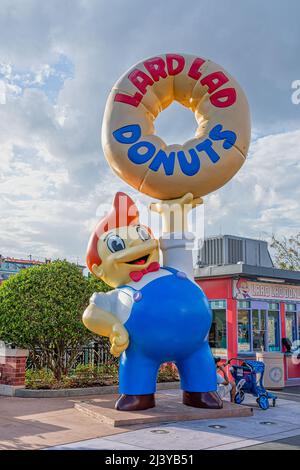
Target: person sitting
(225, 386)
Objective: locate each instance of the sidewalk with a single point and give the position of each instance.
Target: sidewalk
(35, 423)
(27, 423)
(290, 393)
(290, 443)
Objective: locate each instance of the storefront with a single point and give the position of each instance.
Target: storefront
(254, 308)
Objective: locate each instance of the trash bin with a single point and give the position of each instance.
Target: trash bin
(274, 369)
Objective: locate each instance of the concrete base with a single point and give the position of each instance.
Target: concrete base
(168, 409)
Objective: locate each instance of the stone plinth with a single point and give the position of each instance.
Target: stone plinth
(168, 409)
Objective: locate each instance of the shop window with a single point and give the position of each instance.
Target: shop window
(274, 306)
(273, 331)
(291, 322)
(244, 304)
(244, 344)
(291, 326)
(290, 307)
(258, 328)
(218, 331)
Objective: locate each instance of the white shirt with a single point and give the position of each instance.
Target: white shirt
(177, 253)
(220, 379)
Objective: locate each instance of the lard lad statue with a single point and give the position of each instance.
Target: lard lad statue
(156, 312)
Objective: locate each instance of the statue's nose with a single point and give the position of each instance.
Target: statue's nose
(135, 242)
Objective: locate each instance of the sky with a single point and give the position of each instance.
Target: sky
(58, 62)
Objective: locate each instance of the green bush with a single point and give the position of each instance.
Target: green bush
(40, 379)
(81, 376)
(41, 308)
(167, 373)
(88, 376)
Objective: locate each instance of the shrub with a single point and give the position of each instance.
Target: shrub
(81, 376)
(41, 307)
(40, 379)
(168, 373)
(88, 376)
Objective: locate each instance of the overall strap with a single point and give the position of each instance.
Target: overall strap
(171, 270)
(125, 286)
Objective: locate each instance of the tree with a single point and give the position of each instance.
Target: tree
(41, 308)
(287, 252)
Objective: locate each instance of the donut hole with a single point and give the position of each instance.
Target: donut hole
(176, 124)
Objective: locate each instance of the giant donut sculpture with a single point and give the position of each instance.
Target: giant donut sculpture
(200, 165)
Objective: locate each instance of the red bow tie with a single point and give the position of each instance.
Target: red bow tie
(137, 275)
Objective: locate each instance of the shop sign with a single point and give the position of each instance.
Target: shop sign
(244, 289)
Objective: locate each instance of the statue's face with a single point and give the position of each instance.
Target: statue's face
(123, 250)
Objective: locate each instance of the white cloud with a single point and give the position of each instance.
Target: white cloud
(263, 198)
(53, 175)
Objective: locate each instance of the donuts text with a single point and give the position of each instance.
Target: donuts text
(142, 151)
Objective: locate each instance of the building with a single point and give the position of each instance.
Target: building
(10, 266)
(255, 306)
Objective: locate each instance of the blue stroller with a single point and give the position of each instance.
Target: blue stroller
(248, 376)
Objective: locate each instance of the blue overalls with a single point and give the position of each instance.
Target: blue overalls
(169, 322)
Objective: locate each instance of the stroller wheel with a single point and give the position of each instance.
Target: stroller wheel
(263, 402)
(239, 397)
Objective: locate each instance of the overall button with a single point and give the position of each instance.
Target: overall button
(137, 296)
(181, 275)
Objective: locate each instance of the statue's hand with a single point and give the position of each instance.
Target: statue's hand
(186, 201)
(174, 212)
(119, 339)
(106, 324)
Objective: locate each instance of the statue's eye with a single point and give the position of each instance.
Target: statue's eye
(115, 243)
(143, 233)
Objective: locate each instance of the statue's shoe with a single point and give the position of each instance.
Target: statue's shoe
(202, 400)
(135, 402)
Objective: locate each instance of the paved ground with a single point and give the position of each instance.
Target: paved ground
(276, 424)
(290, 443)
(293, 390)
(53, 423)
(34, 423)
(290, 393)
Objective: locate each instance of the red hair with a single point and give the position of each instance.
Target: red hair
(123, 213)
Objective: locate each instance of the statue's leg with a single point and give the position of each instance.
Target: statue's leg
(199, 379)
(137, 381)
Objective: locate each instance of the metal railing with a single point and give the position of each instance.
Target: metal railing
(94, 354)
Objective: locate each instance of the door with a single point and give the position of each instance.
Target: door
(273, 331)
(259, 333)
